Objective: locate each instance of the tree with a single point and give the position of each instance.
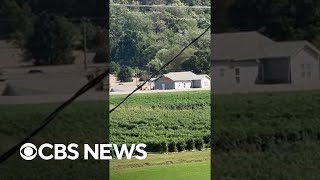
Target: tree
(154, 65)
(114, 67)
(19, 24)
(198, 63)
(125, 74)
(52, 41)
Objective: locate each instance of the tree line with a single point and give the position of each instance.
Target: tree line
(280, 20)
(49, 31)
(142, 39)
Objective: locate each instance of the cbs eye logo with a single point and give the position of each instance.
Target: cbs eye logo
(28, 151)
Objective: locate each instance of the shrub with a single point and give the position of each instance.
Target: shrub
(164, 147)
(199, 143)
(172, 147)
(190, 145)
(181, 146)
(153, 147)
(206, 139)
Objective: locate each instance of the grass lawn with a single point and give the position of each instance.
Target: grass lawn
(173, 166)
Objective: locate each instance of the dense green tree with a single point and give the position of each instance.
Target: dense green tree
(199, 63)
(52, 41)
(125, 74)
(17, 21)
(114, 67)
(154, 65)
(278, 19)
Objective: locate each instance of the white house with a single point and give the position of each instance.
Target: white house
(249, 59)
(181, 80)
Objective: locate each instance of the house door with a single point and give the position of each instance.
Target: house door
(163, 86)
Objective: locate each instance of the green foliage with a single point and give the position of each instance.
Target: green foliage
(125, 74)
(172, 147)
(114, 67)
(199, 144)
(138, 36)
(164, 147)
(168, 117)
(281, 20)
(181, 146)
(154, 65)
(19, 24)
(190, 144)
(199, 63)
(52, 41)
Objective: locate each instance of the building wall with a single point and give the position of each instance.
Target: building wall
(183, 84)
(225, 77)
(305, 67)
(205, 83)
(168, 83)
(201, 83)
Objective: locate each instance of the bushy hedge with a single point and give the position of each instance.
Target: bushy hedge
(199, 144)
(172, 147)
(190, 144)
(181, 146)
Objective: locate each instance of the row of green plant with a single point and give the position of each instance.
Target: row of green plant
(173, 121)
(261, 121)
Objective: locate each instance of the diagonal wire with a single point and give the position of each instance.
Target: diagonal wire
(52, 115)
(82, 90)
(164, 66)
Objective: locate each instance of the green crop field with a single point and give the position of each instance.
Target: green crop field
(82, 122)
(267, 136)
(166, 122)
(175, 120)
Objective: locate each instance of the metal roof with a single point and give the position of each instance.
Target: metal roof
(252, 45)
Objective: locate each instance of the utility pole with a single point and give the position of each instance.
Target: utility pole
(149, 75)
(136, 77)
(84, 44)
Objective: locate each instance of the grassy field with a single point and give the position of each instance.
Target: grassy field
(159, 118)
(82, 122)
(177, 166)
(266, 136)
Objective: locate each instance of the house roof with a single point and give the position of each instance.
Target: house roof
(200, 76)
(286, 49)
(184, 76)
(180, 76)
(253, 45)
(240, 45)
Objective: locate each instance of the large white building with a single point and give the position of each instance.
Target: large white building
(181, 80)
(247, 60)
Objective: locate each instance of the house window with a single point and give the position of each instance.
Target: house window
(237, 71)
(238, 80)
(305, 70)
(184, 85)
(222, 72)
(237, 75)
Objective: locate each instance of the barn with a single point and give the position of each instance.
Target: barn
(181, 80)
(249, 59)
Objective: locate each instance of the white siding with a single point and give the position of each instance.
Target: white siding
(205, 83)
(305, 67)
(182, 84)
(225, 77)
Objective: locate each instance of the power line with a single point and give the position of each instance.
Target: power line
(162, 6)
